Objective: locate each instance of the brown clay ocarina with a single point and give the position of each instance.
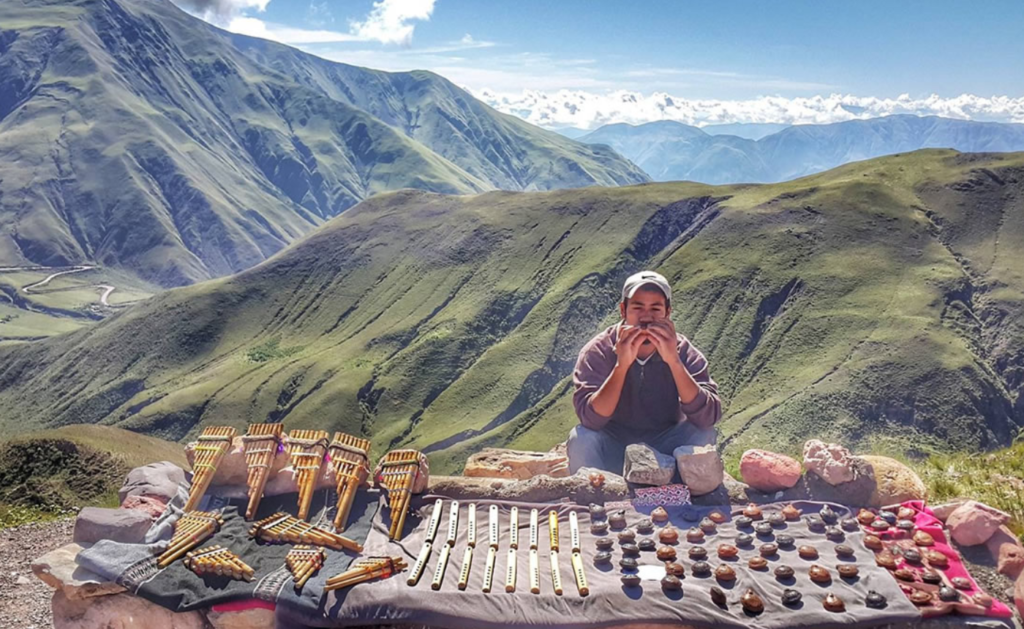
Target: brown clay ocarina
(961, 583)
(905, 574)
(886, 560)
(784, 572)
(668, 535)
(695, 535)
(752, 603)
(666, 553)
(905, 513)
(617, 519)
(847, 570)
(628, 535)
(757, 563)
(865, 517)
(717, 517)
(769, 549)
(671, 582)
(718, 596)
(932, 577)
(819, 574)
(752, 511)
(700, 568)
(937, 559)
(646, 544)
(923, 539)
(708, 526)
(604, 543)
(630, 580)
(873, 542)
(833, 603)
(645, 526)
(725, 573)
(599, 528)
(697, 553)
(675, 569)
(807, 552)
(659, 515)
(920, 597)
(791, 513)
(948, 594)
(791, 597)
(842, 550)
(727, 551)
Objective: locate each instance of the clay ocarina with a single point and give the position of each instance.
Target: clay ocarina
(725, 573)
(717, 517)
(905, 513)
(597, 512)
(700, 568)
(819, 574)
(842, 550)
(630, 580)
(743, 522)
(630, 549)
(627, 536)
(776, 519)
(645, 526)
(828, 515)
(905, 574)
(912, 555)
(769, 549)
(757, 562)
(815, 524)
(920, 597)
(835, 534)
(666, 553)
(849, 524)
(697, 553)
(785, 541)
(763, 528)
(923, 539)
(744, 539)
(873, 542)
(833, 603)
(784, 572)
(807, 552)
(617, 519)
(718, 596)
(708, 526)
(948, 594)
(791, 513)
(905, 525)
(886, 560)
(727, 551)
(668, 535)
(695, 535)
(646, 544)
(602, 557)
(671, 582)
(598, 528)
(659, 515)
(932, 577)
(752, 603)
(847, 570)
(675, 569)
(880, 525)
(935, 558)
(888, 516)
(628, 563)
(752, 511)
(604, 543)
(961, 583)
(790, 597)
(865, 517)
(875, 600)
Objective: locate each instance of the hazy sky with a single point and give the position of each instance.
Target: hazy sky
(568, 63)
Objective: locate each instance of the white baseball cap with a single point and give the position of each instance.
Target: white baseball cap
(644, 278)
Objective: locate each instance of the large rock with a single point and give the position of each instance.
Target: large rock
(973, 523)
(58, 569)
(119, 611)
(118, 525)
(1008, 552)
(156, 479)
(894, 482)
(517, 464)
(769, 471)
(537, 489)
(253, 618)
(646, 466)
(832, 462)
(150, 505)
(232, 469)
(943, 510)
(700, 468)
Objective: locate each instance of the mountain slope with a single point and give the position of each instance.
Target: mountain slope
(672, 151)
(134, 135)
(881, 303)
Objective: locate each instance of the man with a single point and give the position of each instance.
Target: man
(640, 381)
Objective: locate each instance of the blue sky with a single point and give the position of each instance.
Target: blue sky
(524, 55)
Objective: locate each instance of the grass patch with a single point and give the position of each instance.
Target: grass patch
(271, 350)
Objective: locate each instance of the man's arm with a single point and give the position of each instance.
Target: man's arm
(599, 376)
(698, 393)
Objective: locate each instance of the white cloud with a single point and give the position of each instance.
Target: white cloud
(389, 21)
(219, 10)
(255, 27)
(589, 110)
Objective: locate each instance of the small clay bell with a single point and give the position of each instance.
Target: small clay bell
(849, 524)
(603, 557)
(646, 544)
(666, 553)
(875, 600)
(675, 569)
(645, 526)
(776, 519)
(905, 574)
(697, 553)
(948, 594)
(743, 522)
(819, 574)
(790, 597)
(752, 511)
(791, 513)
(784, 572)
(717, 517)
(695, 535)
(628, 563)
(630, 549)
(886, 560)
(617, 519)
(708, 526)
(932, 577)
(937, 559)
(718, 596)
(668, 535)
(727, 551)
(744, 539)
(833, 603)
(828, 515)
(700, 568)
(834, 534)
(604, 543)
(627, 536)
(598, 528)
(785, 541)
(597, 512)
(757, 563)
(752, 603)
(961, 583)
(847, 570)
(725, 572)
(659, 515)
(842, 550)
(923, 539)
(769, 549)
(865, 517)
(671, 582)
(630, 580)
(912, 555)
(920, 597)
(815, 524)
(807, 552)
(873, 542)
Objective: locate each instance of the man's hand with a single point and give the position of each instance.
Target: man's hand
(663, 334)
(628, 344)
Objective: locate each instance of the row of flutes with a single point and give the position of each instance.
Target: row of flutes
(350, 460)
(398, 473)
(306, 449)
(190, 530)
(283, 528)
(261, 443)
(303, 561)
(366, 570)
(218, 561)
(214, 443)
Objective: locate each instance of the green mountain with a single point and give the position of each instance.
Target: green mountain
(135, 136)
(881, 304)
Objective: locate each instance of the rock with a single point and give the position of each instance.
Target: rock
(894, 482)
(974, 523)
(1008, 552)
(118, 611)
(700, 468)
(517, 464)
(160, 480)
(769, 471)
(536, 489)
(58, 569)
(22, 580)
(1018, 595)
(150, 505)
(736, 490)
(646, 466)
(831, 462)
(254, 618)
(119, 525)
(943, 510)
(560, 449)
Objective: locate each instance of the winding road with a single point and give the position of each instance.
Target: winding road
(104, 296)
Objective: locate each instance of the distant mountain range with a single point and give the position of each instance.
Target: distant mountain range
(672, 151)
(136, 136)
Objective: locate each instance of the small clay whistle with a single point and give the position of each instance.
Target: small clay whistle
(627, 536)
(833, 603)
(603, 557)
(865, 517)
(790, 597)
(906, 513)
(948, 594)
(752, 603)
(718, 596)
(905, 574)
(920, 597)
(912, 555)
(645, 526)
(697, 553)
(695, 535)
(752, 511)
(675, 569)
(763, 528)
(849, 524)
(961, 583)
(700, 568)
(819, 574)
(791, 513)
(784, 572)
(617, 519)
(727, 551)
(757, 563)
(769, 549)
(923, 539)
(875, 600)
(598, 528)
(628, 563)
(669, 535)
(932, 577)
(807, 552)
(935, 558)
(604, 543)
(708, 526)
(646, 544)
(666, 553)
(886, 560)
(597, 512)
(717, 517)
(630, 580)
(842, 550)
(671, 582)
(784, 541)
(659, 515)
(744, 539)
(776, 519)
(835, 534)
(847, 570)
(743, 522)
(828, 515)
(873, 542)
(725, 573)
(630, 549)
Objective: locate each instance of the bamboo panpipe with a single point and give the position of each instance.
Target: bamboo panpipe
(442, 564)
(213, 444)
(306, 449)
(453, 523)
(350, 460)
(220, 562)
(304, 561)
(533, 529)
(190, 530)
(284, 528)
(467, 566)
(365, 570)
(471, 526)
(581, 578)
(492, 554)
(556, 574)
(421, 563)
(261, 442)
(513, 528)
(534, 572)
(398, 472)
(574, 532)
(435, 520)
(510, 571)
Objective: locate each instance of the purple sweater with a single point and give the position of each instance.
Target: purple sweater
(649, 401)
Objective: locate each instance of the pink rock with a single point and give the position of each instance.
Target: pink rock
(769, 471)
(832, 462)
(148, 504)
(974, 523)
(1007, 551)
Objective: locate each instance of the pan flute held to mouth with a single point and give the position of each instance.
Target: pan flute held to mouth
(214, 443)
(350, 460)
(306, 450)
(260, 443)
(191, 529)
(304, 561)
(398, 473)
(214, 560)
(282, 528)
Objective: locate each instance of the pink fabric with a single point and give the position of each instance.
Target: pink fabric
(926, 521)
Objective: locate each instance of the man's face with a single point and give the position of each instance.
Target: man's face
(645, 306)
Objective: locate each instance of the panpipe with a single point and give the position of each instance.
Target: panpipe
(365, 570)
(218, 561)
(304, 561)
(283, 528)
(398, 473)
(577, 560)
(213, 444)
(190, 530)
(350, 461)
(261, 443)
(306, 449)
(556, 574)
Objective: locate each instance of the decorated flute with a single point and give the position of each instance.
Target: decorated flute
(467, 566)
(534, 572)
(442, 565)
(513, 528)
(471, 526)
(307, 448)
(510, 571)
(421, 563)
(350, 460)
(492, 554)
(581, 578)
(574, 532)
(260, 443)
(453, 522)
(213, 444)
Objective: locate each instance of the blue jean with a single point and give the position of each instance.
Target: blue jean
(606, 449)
